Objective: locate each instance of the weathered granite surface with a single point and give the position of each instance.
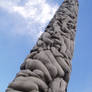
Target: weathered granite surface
(48, 66)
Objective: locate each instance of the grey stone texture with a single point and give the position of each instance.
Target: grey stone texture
(48, 66)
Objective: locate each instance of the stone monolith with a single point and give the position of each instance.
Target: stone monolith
(48, 66)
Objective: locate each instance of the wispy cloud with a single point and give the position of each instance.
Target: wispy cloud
(35, 13)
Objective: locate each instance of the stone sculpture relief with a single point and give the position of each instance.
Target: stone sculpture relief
(48, 66)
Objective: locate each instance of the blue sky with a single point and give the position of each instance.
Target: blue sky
(22, 22)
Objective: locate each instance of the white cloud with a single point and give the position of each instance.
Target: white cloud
(36, 14)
